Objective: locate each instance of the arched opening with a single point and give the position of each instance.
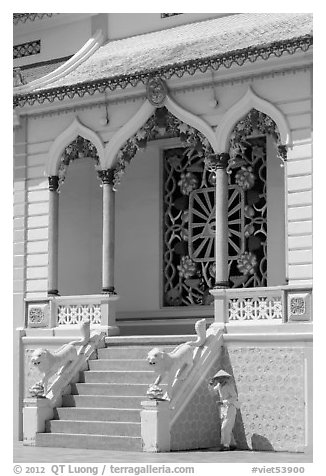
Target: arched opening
(80, 220)
(142, 251)
(165, 215)
(256, 175)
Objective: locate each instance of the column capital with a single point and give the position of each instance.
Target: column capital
(53, 183)
(282, 152)
(214, 162)
(107, 176)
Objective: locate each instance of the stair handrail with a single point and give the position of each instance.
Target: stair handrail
(185, 367)
(64, 364)
(204, 357)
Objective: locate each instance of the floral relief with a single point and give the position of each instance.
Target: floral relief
(78, 149)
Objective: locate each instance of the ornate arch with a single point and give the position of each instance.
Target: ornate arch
(75, 130)
(140, 119)
(248, 102)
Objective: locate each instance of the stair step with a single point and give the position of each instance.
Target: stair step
(130, 352)
(86, 441)
(117, 376)
(110, 389)
(100, 401)
(107, 428)
(148, 340)
(97, 414)
(119, 364)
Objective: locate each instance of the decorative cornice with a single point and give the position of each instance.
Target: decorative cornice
(238, 57)
(214, 162)
(53, 183)
(107, 176)
(175, 90)
(24, 17)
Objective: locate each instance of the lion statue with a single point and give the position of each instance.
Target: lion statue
(51, 363)
(175, 365)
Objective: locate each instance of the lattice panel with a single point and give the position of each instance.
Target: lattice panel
(75, 314)
(27, 49)
(255, 309)
(189, 223)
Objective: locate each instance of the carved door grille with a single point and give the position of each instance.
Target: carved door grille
(189, 224)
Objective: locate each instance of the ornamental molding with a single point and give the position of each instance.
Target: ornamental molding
(250, 101)
(75, 129)
(139, 119)
(36, 112)
(239, 57)
(83, 54)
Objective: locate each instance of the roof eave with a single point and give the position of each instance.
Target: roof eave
(235, 57)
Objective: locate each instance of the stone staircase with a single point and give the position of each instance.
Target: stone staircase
(103, 409)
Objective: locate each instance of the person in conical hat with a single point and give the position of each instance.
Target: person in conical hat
(221, 373)
(223, 386)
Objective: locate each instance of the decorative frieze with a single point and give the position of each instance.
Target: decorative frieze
(299, 306)
(27, 49)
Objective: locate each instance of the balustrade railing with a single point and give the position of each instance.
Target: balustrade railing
(270, 304)
(60, 311)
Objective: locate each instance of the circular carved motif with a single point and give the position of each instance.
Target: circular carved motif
(156, 91)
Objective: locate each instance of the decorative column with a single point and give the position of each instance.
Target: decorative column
(53, 235)
(217, 163)
(108, 231)
(110, 297)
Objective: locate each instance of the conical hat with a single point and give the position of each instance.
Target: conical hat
(221, 373)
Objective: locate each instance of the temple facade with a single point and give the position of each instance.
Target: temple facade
(163, 174)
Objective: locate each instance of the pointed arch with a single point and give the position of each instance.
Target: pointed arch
(125, 132)
(75, 129)
(250, 101)
(140, 118)
(192, 120)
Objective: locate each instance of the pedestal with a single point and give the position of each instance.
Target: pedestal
(108, 311)
(155, 426)
(35, 413)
